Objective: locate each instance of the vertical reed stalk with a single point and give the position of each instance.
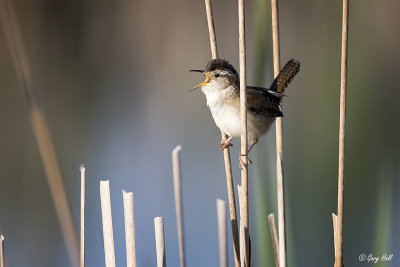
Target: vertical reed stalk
(130, 235)
(244, 214)
(244, 260)
(279, 149)
(342, 132)
(335, 233)
(274, 238)
(227, 157)
(108, 236)
(222, 236)
(83, 182)
(176, 167)
(160, 242)
(42, 134)
(2, 256)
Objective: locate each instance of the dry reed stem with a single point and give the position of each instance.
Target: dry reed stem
(222, 233)
(83, 182)
(244, 259)
(243, 262)
(176, 167)
(2, 255)
(281, 214)
(244, 213)
(227, 157)
(211, 30)
(41, 131)
(342, 132)
(130, 235)
(274, 238)
(108, 236)
(279, 149)
(160, 242)
(335, 237)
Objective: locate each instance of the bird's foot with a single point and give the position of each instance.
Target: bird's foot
(226, 143)
(242, 163)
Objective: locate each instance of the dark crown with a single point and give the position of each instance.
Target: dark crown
(220, 64)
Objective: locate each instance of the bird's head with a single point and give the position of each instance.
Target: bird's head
(219, 75)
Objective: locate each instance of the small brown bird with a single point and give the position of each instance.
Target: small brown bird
(221, 88)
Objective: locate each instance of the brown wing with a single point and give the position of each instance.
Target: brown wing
(286, 75)
(262, 102)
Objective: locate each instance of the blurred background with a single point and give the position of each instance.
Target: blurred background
(112, 78)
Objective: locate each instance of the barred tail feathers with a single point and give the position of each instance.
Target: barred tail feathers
(285, 76)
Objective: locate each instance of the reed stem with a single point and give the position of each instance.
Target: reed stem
(227, 157)
(244, 213)
(41, 130)
(2, 254)
(130, 235)
(176, 166)
(222, 236)
(160, 242)
(274, 238)
(108, 236)
(279, 146)
(83, 182)
(342, 132)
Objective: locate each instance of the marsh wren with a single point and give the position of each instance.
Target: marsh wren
(221, 88)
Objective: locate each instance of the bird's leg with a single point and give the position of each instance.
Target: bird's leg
(226, 143)
(242, 164)
(252, 145)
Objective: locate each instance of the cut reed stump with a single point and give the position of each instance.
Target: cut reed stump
(160, 242)
(2, 256)
(108, 236)
(83, 182)
(176, 168)
(222, 236)
(130, 235)
(274, 238)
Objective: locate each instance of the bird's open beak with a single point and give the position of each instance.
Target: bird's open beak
(207, 80)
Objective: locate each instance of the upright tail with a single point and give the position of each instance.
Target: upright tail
(284, 77)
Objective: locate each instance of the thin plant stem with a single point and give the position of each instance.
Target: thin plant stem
(222, 236)
(335, 233)
(342, 132)
(160, 242)
(211, 30)
(244, 260)
(244, 213)
(176, 168)
(279, 147)
(130, 235)
(42, 134)
(274, 238)
(2, 256)
(83, 182)
(108, 236)
(227, 157)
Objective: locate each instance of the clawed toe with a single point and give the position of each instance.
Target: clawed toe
(226, 143)
(243, 164)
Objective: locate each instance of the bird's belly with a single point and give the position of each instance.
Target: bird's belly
(228, 120)
(257, 125)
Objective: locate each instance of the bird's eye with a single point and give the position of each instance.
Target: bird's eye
(216, 75)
